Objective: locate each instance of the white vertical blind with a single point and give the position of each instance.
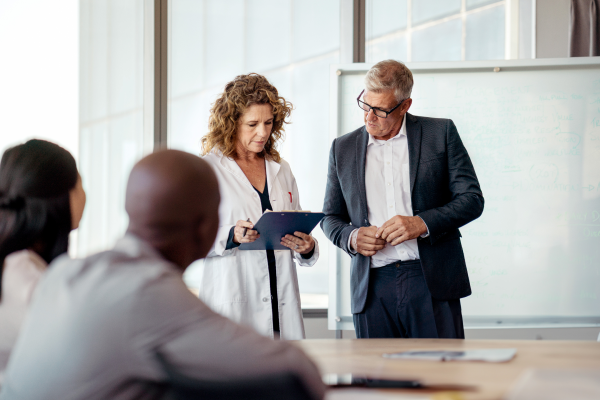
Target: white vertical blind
(111, 114)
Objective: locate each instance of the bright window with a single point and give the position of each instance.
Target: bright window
(111, 117)
(435, 30)
(293, 44)
(39, 43)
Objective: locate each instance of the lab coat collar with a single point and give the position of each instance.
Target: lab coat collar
(271, 167)
(231, 166)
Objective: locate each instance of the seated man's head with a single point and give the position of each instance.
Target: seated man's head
(172, 201)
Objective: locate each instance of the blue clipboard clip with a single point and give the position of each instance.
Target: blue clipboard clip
(273, 226)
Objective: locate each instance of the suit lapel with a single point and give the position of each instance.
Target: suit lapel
(361, 158)
(413, 135)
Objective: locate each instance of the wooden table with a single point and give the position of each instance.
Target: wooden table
(492, 380)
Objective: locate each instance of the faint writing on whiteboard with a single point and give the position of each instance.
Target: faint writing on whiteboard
(590, 233)
(557, 96)
(548, 172)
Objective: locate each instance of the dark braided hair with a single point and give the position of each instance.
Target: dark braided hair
(35, 180)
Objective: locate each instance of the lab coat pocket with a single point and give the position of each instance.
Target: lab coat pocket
(280, 199)
(288, 200)
(231, 278)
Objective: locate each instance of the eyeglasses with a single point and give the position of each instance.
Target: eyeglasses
(377, 111)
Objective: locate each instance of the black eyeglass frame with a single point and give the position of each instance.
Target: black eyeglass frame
(359, 101)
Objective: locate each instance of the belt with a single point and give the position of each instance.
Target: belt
(409, 264)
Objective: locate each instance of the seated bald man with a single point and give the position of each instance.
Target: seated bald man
(95, 325)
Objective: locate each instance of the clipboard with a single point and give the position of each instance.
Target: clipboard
(272, 226)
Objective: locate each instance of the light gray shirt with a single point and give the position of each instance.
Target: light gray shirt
(95, 324)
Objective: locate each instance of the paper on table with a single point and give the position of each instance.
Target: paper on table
(555, 384)
(488, 355)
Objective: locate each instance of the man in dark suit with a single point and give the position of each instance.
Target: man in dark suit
(398, 189)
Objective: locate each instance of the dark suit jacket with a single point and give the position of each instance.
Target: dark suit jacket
(445, 193)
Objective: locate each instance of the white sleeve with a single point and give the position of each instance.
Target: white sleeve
(307, 262)
(352, 241)
(426, 234)
(219, 246)
(303, 262)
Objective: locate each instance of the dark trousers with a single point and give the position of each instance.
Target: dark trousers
(399, 305)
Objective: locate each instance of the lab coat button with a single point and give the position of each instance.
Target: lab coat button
(265, 299)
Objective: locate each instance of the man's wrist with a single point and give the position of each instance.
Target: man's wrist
(425, 232)
(352, 239)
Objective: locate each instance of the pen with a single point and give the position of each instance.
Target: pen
(245, 229)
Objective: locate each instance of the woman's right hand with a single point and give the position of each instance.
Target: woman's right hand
(238, 232)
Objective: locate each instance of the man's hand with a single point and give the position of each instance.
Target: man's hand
(401, 228)
(366, 242)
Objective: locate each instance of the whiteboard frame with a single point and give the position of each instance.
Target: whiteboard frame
(337, 321)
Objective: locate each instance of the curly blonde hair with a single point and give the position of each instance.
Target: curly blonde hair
(239, 94)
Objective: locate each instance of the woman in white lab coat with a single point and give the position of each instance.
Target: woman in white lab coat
(254, 287)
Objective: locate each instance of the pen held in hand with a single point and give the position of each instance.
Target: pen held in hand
(245, 229)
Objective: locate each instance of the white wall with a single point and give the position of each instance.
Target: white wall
(316, 328)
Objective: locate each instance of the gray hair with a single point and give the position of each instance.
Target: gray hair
(390, 75)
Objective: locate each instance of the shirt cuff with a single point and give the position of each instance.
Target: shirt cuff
(309, 254)
(230, 243)
(425, 234)
(352, 241)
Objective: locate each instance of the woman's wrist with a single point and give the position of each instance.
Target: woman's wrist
(231, 242)
(309, 253)
(312, 248)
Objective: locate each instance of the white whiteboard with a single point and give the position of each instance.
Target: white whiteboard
(533, 133)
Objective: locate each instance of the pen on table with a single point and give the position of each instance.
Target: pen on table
(245, 229)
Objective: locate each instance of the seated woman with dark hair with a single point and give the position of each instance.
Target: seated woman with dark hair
(41, 201)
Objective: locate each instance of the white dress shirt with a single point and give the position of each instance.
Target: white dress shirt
(22, 271)
(387, 183)
(95, 324)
